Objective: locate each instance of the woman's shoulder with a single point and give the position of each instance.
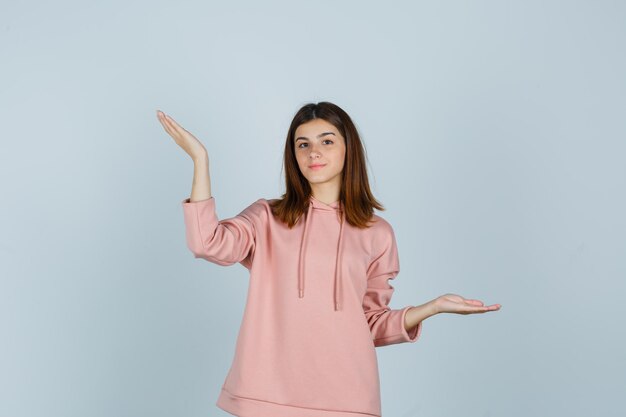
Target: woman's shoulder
(381, 222)
(380, 227)
(261, 209)
(259, 203)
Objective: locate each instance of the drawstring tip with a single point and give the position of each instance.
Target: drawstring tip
(301, 293)
(336, 306)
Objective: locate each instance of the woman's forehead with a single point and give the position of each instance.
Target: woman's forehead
(316, 128)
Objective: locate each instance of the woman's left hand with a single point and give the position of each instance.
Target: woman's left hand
(453, 303)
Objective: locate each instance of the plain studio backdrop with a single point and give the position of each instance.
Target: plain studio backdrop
(495, 134)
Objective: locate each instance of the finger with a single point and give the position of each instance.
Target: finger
(174, 127)
(490, 308)
(169, 127)
(173, 122)
(474, 302)
(478, 309)
(170, 121)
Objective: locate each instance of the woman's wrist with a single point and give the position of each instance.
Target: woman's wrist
(202, 159)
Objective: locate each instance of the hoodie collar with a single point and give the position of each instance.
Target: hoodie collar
(315, 204)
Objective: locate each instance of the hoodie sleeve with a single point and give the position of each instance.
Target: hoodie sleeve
(223, 242)
(386, 325)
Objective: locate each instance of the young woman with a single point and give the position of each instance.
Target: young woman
(320, 262)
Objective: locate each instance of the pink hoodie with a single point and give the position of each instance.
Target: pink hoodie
(317, 307)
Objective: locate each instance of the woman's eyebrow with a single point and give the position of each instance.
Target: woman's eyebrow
(319, 136)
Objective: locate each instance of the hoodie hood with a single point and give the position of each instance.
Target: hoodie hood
(315, 204)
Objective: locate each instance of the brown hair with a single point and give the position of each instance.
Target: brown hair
(355, 197)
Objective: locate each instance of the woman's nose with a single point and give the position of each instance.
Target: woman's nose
(314, 152)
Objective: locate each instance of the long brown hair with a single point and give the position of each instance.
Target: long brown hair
(355, 197)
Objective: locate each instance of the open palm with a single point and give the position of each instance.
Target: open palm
(453, 303)
(182, 137)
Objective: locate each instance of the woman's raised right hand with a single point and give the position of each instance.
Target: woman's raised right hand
(182, 137)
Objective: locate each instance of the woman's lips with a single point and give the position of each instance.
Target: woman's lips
(316, 167)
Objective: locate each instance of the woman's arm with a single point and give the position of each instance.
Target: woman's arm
(417, 314)
(201, 186)
(447, 303)
(223, 242)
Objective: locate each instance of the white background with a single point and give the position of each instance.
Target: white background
(495, 134)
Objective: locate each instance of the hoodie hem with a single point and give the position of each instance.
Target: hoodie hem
(250, 407)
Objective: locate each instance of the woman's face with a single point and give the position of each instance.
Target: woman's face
(318, 142)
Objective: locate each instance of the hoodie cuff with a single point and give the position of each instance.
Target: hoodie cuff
(414, 332)
(200, 223)
(188, 200)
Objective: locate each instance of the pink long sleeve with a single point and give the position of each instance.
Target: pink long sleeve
(223, 242)
(317, 306)
(386, 325)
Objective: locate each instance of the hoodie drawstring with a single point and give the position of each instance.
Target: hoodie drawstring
(337, 296)
(302, 248)
(338, 287)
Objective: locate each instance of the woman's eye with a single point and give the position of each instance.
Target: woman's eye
(304, 143)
